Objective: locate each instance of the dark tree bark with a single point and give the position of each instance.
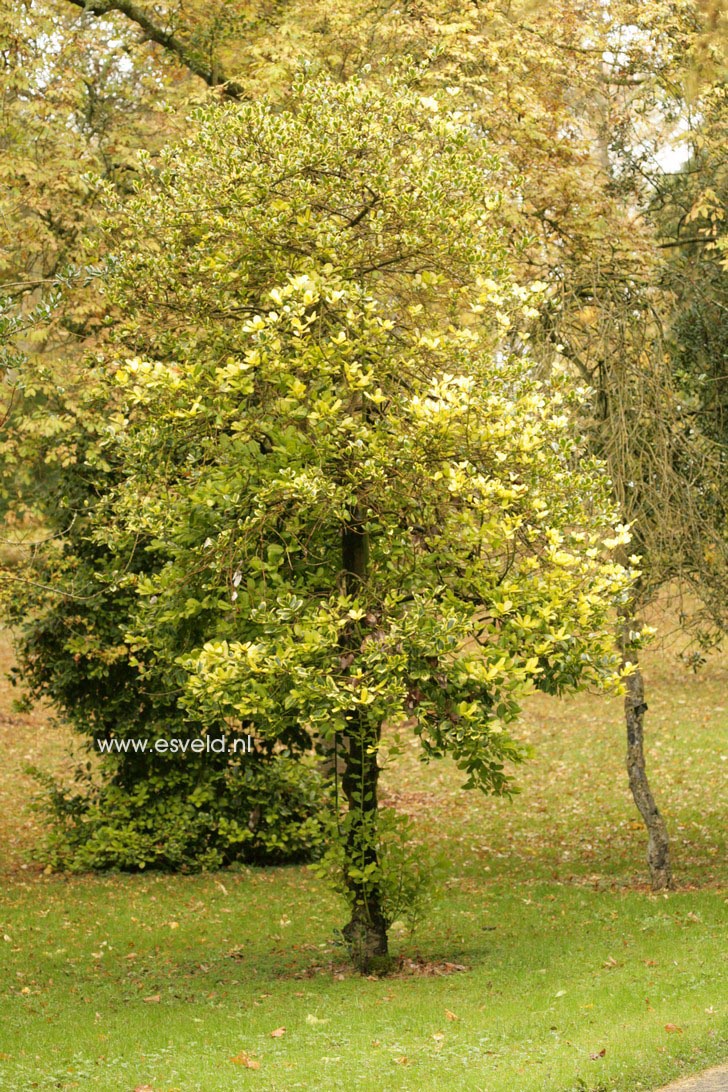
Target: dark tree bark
(155, 32)
(366, 932)
(635, 707)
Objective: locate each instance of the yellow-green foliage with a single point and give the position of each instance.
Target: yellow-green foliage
(325, 331)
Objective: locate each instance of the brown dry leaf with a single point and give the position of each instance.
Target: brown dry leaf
(144, 1088)
(609, 963)
(673, 1029)
(599, 1054)
(421, 966)
(153, 999)
(451, 1015)
(244, 1059)
(278, 1033)
(402, 1060)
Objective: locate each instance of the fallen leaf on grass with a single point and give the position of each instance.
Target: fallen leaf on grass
(438, 1037)
(403, 1060)
(451, 1015)
(153, 999)
(422, 967)
(673, 1029)
(144, 1088)
(278, 1033)
(609, 963)
(244, 1059)
(599, 1054)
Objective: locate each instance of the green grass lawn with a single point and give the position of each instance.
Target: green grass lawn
(544, 963)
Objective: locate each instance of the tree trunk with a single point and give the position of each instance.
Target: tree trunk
(635, 707)
(366, 933)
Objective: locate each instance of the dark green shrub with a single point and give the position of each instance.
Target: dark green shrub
(188, 817)
(71, 603)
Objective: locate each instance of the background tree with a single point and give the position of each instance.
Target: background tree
(582, 118)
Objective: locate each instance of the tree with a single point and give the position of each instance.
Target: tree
(336, 443)
(581, 101)
(656, 419)
(578, 101)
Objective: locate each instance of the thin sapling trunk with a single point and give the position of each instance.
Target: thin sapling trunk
(635, 707)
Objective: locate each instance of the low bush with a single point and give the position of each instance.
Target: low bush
(186, 817)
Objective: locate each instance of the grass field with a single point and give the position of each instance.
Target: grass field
(545, 964)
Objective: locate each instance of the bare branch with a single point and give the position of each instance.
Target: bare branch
(695, 241)
(213, 76)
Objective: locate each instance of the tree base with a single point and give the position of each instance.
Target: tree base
(660, 872)
(366, 938)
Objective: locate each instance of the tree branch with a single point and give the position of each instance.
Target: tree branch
(699, 241)
(213, 77)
